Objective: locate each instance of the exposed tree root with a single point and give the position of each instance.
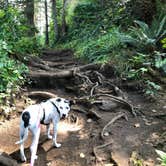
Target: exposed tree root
(93, 88)
(112, 121)
(94, 113)
(6, 160)
(122, 101)
(88, 81)
(41, 94)
(98, 159)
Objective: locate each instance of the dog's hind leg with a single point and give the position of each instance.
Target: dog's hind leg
(36, 134)
(22, 154)
(48, 132)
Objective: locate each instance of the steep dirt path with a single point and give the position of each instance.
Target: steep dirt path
(127, 141)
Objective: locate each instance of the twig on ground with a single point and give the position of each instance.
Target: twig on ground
(111, 122)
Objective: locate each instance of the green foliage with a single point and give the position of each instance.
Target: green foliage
(27, 45)
(151, 88)
(163, 42)
(102, 48)
(160, 61)
(162, 157)
(89, 19)
(10, 70)
(11, 25)
(13, 43)
(145, 36)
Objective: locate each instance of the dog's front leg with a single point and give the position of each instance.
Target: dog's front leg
(55, 135)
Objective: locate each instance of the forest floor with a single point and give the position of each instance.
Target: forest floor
(111, 123)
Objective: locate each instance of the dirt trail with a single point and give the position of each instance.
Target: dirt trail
(125, 142)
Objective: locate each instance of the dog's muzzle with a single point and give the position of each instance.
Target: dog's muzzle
(63, 116)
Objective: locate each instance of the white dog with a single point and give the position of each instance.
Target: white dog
(44, 113)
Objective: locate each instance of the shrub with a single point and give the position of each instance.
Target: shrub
(146, 37)
(101, 49)
(10, 70)
(27, 45)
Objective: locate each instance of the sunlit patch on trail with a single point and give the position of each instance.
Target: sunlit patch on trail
(72, 124)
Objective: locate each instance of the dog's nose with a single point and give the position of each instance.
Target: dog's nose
(63, 116)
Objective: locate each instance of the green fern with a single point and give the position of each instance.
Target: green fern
(162, 156)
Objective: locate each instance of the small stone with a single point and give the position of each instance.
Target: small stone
(106, 134)
(164, 107)
(89, 120)
(137, 125)
(155, 135)
(154, 110)
(82, 155)
(48, 164)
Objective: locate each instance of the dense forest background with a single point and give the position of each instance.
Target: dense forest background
(129, 35)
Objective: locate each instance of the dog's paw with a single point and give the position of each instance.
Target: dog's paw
(35, 157)
(49, 136)
(23, 159)
(57, 145)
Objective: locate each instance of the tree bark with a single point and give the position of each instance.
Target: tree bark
(46, 19)
(64, 26)
(55, 21)
(29, 14)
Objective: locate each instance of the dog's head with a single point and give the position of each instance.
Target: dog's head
(62, 105)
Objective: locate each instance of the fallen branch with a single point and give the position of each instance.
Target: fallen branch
(111, 122)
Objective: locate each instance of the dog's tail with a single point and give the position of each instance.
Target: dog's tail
(25, 118)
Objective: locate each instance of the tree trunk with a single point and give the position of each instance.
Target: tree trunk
(64, 26)
(46, 19)
(29, 14)
(55, 21)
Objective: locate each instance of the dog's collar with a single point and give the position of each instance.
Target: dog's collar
(56, 108)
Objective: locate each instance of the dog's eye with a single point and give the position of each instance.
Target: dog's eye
(61, 108)
(67, 108)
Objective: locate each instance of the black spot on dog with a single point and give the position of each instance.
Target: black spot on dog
(25, 118)
(58, 100)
